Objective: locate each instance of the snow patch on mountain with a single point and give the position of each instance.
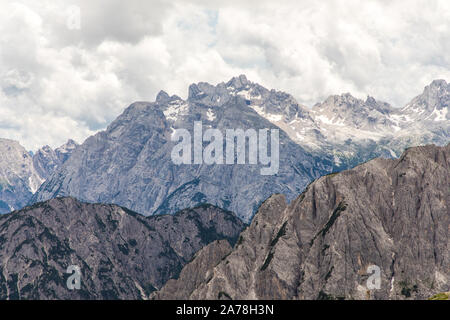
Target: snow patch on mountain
(440, 115)
(175, 109)
(210, 115)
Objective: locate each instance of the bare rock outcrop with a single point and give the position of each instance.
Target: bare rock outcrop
(120, 254)
(194, 273)
(391, 214)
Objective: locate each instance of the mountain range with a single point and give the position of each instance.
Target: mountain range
(129, 163)
(391, 214)
(351, 130)
(353, 192)
(120, 254)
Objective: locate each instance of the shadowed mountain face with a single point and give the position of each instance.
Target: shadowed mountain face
(121, 254)
(130, 163)
(393, 214)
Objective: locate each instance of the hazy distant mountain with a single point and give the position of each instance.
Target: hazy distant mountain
(393, 214)
(351, 130)
(120, 254)
(21, 173)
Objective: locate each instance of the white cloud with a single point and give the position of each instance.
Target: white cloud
(58, 83)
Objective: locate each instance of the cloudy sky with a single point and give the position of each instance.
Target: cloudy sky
(67, 68)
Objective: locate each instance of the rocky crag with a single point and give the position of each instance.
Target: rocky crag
(393, 214)
(120, 254)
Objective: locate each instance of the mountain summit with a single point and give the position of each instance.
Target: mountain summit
(129, 163)
(432, 105)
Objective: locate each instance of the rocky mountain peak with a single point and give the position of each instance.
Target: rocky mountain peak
(238, 82)
(196, 90)
(436, 92)
(162, 97)
(438, 83)
(348, 105)
(45, 149)
(130, 162)
(342, 101)
(342, 106)
(64, 151)
(137, 141)
(371, 100)
(10, 144)
(220, 94)
(432, 105)
(371, 103)
(46, 160)
(208, 94)
(70, 144)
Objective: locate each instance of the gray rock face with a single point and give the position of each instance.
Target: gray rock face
(130, 163)
(194, 273)
(21, 173)
(121, 254)
(350, 130)
(18, 179)
(46, 160)
(432, 105)
(348, 111)
(393, 214)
